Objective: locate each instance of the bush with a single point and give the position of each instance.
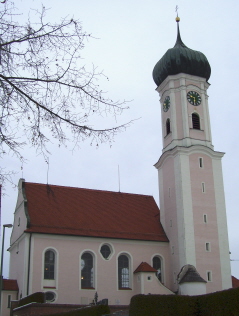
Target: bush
(97, 310)
(223, 303)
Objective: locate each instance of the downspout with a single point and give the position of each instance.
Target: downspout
(29, 262)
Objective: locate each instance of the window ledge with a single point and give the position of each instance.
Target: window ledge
(88, 288)
(170, 133)
(125, 288)
(195, 129)
(49, 287)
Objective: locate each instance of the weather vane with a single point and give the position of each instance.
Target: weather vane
(176, 10)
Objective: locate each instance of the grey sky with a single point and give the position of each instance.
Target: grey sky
(131, 37)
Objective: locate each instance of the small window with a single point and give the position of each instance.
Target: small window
(203, 187)
(105, 251)
(195, 121)
(49, 267)
(50, 296)
(209, 276)
(200, 162)
(207, 246)
(168, 129)
(149, 278)
(205, 218)
(19, 221)
(9, 298)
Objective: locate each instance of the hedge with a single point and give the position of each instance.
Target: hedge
(97, 310)
(38, 297)
(223, 303)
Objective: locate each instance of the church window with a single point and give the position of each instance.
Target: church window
(203, 187)
(168, 128)
(123, 272)
(9, 298)
(87, 271)
(200, 162)
(205, 218)
(49, 265)
(50, 296)
(196, 121)
(105, 251)
(157, 264)
(209, 276)
(208, 248)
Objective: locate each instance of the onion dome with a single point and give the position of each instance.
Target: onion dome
(181, 59)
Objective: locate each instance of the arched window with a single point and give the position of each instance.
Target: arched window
(123, 272)
(196, 121)
(87, 271)
(168, 129)
(49, 265)
(157, 264)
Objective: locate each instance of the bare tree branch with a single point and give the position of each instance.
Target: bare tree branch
(44, 90)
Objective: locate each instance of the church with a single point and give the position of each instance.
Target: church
(73, 242)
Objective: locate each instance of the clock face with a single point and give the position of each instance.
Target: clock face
(166, 104)
(194, 98)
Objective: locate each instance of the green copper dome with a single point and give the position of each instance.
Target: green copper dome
(181, 59)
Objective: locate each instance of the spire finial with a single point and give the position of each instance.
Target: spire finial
(177, 17)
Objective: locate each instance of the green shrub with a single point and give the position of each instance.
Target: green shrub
(97, 310)
(223, 303)
(38, 297)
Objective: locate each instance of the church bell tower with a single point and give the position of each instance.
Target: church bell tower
(192, 204)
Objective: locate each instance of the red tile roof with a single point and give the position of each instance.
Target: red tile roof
(10, 285)
(235, 282)
(145, 267)
(82, 212)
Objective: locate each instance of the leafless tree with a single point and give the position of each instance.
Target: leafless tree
(44, 91)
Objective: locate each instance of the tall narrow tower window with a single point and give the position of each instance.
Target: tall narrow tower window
(196, 121)
(168, 129)
(200, 162)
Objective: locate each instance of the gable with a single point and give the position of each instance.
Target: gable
(83, 212)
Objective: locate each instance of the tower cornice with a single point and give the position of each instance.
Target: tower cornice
(186, 151)
(163, 87)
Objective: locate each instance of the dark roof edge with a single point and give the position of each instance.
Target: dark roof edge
(22, 183)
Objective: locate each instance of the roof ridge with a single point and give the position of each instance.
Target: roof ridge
(87, 189)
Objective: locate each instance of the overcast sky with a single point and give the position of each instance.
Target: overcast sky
(131, 37)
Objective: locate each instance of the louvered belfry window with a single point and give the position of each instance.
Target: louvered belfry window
(196, 121)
